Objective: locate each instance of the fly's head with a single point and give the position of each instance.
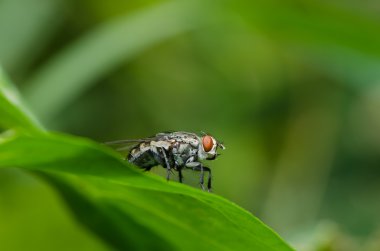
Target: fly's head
(208, 147)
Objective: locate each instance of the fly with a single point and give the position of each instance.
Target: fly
(173, 151)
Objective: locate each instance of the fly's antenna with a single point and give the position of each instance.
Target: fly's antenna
(221, 145)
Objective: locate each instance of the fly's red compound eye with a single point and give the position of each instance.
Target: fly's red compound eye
(207, 143)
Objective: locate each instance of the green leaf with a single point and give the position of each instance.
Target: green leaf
(13, 114)
(126, 208)
(134, 210)
(30, 209)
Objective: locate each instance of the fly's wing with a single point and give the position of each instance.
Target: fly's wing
(126, 145)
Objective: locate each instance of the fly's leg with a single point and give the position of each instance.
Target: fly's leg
(202, 177)
(197, 166)
(206, 169)
(178, 164)
(180, 177)
(167, 163)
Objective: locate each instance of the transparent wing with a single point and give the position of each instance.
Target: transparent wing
(126, 144)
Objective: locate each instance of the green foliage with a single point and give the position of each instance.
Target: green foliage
(291, 87)
(125, 37)
(13, 114)
(127, 209)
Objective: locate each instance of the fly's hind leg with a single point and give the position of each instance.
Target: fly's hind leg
(167, 164)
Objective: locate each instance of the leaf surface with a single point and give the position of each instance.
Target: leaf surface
(131, 209)
(126, 208)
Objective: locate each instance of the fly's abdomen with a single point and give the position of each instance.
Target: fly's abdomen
(142, 158)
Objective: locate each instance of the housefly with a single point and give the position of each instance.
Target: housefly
(173, 151)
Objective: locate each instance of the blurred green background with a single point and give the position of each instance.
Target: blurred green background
(291, 87)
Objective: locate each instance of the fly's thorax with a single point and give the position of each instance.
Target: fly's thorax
(182, 152)
(182, 148)
(185, 138)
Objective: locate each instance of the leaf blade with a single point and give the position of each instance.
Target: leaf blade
(171, 211)
(13, 113)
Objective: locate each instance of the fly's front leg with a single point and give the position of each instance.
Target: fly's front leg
(167, 163)
(197, 166)
(209, 178)
(207, 169)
